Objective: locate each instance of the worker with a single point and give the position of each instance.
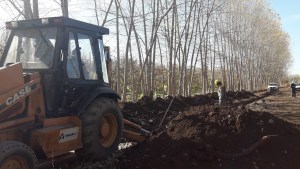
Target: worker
(293, 86)
(73, 65)
(221, 92)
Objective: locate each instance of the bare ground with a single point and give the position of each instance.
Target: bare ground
(281, 104)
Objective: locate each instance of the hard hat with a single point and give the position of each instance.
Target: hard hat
(217, 82)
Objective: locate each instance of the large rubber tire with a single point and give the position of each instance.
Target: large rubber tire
(102, 125)
(16, 155)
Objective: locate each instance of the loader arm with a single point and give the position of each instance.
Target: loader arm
(134, 132)
(14, 90)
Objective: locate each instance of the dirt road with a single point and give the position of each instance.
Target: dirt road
(281, 105)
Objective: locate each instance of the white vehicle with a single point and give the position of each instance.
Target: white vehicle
(273, 87)
(297, 86)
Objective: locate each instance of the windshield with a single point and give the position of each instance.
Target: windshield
(34, 48)
(273, 84)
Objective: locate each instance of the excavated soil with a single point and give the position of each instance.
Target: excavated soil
(149, 113)
(208, 137)
(196, 133)
(199, 134)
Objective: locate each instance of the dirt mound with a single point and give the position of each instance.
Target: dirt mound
(239, 94)
(208, 137)
(148, 112)
(198, 134)
(215, 126)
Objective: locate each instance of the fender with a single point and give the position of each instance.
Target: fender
(104, 91)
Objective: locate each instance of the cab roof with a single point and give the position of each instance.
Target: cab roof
(56, 21)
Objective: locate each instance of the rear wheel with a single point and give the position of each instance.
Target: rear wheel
(16, 155)
(102, 129)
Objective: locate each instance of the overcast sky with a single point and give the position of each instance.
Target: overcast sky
(289, 13)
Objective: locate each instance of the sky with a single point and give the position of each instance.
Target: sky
(289, 12)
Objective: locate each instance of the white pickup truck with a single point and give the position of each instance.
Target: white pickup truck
(297, 87)
(272, 87)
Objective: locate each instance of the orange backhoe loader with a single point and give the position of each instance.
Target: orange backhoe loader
(55, 95)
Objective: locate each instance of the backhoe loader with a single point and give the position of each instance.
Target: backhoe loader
(55, 95)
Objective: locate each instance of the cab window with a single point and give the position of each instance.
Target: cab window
(87, 57)
(103, 61)
(73, 69)
(34, 48)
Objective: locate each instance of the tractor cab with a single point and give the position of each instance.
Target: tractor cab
(68, 54)
(55, 95)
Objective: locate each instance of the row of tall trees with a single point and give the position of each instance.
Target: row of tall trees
(183, 46)
(179, 47)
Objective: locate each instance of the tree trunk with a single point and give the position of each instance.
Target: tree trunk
(65, 8)
(27, 10)
(35, 7)
(118, 47)
(127, 51)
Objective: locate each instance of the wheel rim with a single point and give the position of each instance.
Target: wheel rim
(15, 162)
(107, 130)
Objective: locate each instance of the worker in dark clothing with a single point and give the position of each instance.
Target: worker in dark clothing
(221, 92)
(293, 86)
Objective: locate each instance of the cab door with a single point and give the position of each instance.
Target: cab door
(82, 67)
(81, 60)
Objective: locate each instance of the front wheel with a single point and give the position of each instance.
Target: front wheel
(16, 155)
(102, 129)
